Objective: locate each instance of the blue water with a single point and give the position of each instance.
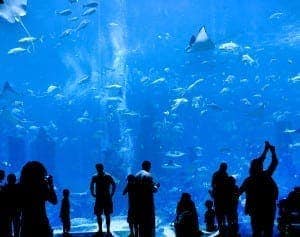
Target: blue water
(106, 93)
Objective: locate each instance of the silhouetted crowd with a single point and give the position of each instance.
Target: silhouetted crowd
(23, 211)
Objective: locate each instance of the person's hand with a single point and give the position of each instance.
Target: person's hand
(267, 145)
(272, 148)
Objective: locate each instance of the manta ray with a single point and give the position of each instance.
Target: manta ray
(13, 10)
(201, 42)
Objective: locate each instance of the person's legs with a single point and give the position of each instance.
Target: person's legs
(255, 224)
(107, 219)
(99, 220)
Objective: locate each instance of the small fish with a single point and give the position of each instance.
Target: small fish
(291, 131)
(51, 88)
(113, 24)
(29, 39)
(83, 24)
(65, 12)
(65, 33)
(230, 46)
(247, 59)
(178, 102)
(90, 4)
(75, 18)
(295, 145)
(276, 15)
(89, 11)
(18, 50)
(73, 1)
(171, 165)
(295, 79)
(158, 81)
(83, 80)
(175, 154)
(225, 90)
(196, 83)
(114, 86)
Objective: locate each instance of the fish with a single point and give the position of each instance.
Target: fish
(201, 42)
(225, 90)
(294, 145)
(113, 86)
(295, 79)
(175, 154)
(65, 12)
(18, 50)
(276, 15)
(195, 83)
(73, 1)
(83, 24)
(291, 131)
(178, 102)
(214, 106)
(74, 18)
(51, 89)
(83, 80)
(29, 39)
(65, 33)
(90, 4)
(89, 11)
(171, 165)
(113, 24)
(158, 81)
(247, 59)
(229, 46)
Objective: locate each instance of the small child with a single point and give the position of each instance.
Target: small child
(210, 216)
(65, 212)
(130, 189)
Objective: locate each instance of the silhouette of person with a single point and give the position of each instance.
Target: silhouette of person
(4, 220)
(210, 216)
(219, 188)
(37, 188)
(186, 223)
(261, 194)
(232, 202)
(65, 212)
(145, 187)
(43, 150)
(130, 189)
(12, 190)
(103, 188)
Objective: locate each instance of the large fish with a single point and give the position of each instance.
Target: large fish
(201, 42)
(13, 10)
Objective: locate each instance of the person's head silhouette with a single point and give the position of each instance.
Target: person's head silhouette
(11, 179)
(223, 167)
(256, 167)
(66, 193)
(100, 168)
(2, 175)
(146, 165)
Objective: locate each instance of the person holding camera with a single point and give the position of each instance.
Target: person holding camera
(261, 193)
(37, 188)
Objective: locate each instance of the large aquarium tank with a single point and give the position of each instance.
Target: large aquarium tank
(185, 84)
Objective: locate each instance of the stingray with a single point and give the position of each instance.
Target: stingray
(13, 10)
(201, 42)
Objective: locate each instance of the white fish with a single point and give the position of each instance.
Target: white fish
(295, 79)
(276, 15)
(158, 81)
(224, 90)
(73, 1)
(175, 154)
(65, 12)
(113, 24)
(201, 42)
(83, 80)
(18, 50)
(75, 18)
(166, 69)
(178, 102)
(246, 101)
(230, 46)
(89, 11)
(34, 128)
(83, 24)
(144, 79)
(65, 33)
(247, 59)
(51, 88)
(196, 83)
(229, 79)
(290, 131)
(171, 165)
(29, 39)
(113, 86)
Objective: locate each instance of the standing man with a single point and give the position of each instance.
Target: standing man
(103, 188)
(145, 213)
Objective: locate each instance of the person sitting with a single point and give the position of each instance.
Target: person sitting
(186, 222)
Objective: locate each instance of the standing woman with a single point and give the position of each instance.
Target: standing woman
(37, 188)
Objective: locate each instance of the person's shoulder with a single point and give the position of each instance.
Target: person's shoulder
(109, 176)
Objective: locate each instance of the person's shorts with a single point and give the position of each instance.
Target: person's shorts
(103, 206)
